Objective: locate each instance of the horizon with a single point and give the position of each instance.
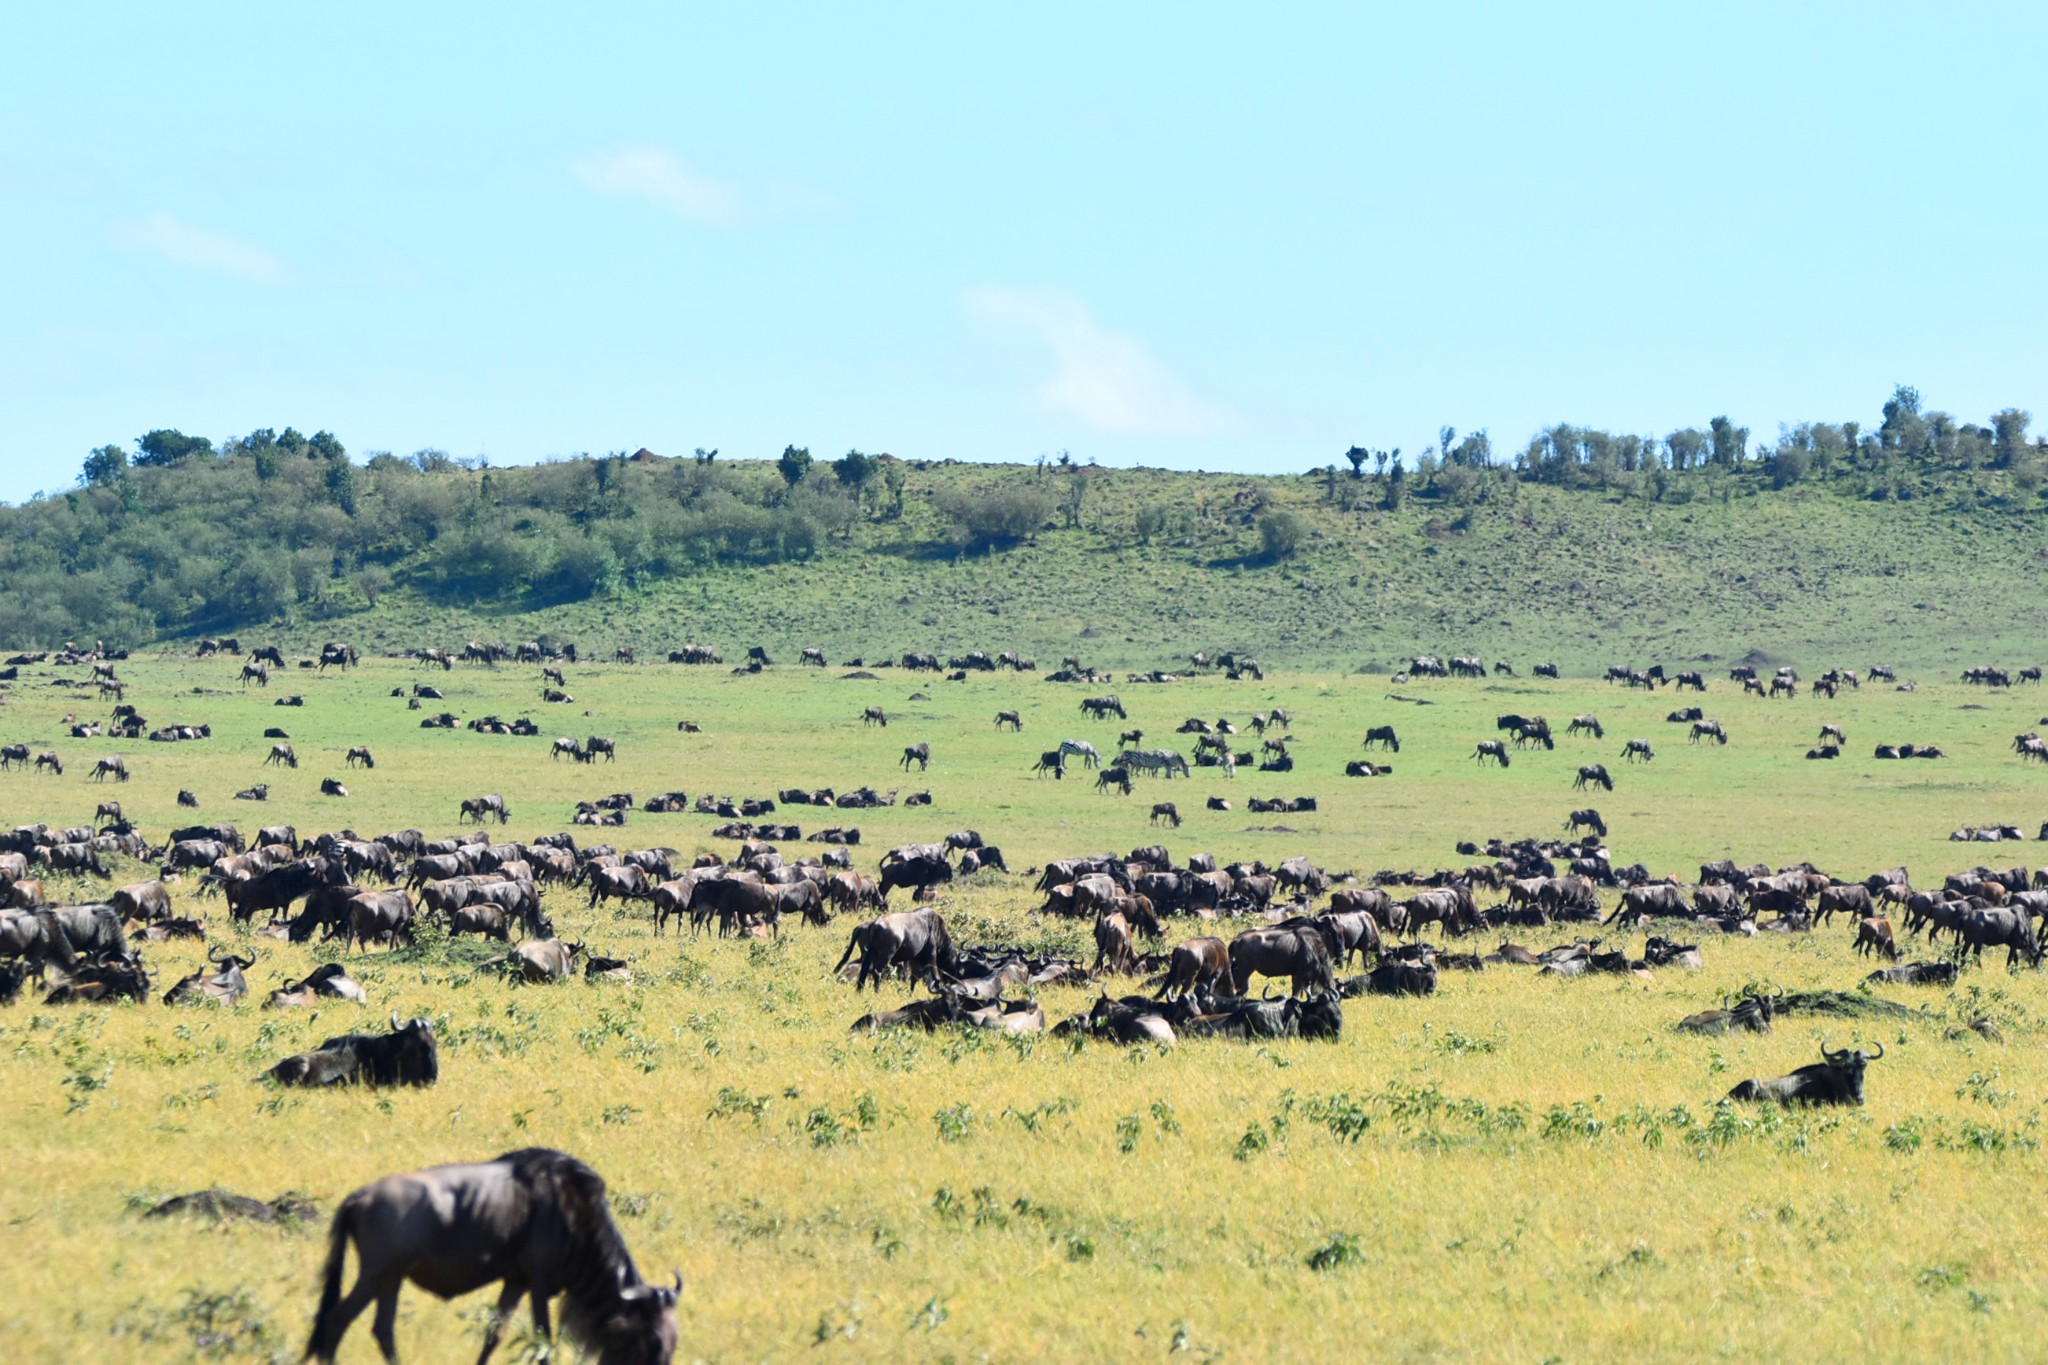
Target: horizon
(1205, 244)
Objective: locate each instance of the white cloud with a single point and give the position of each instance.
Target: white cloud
(665, 180)
(1106, 379)
(162, 234)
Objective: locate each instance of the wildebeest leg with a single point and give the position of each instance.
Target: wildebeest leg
(541, 1326)
(508, 1300)
(384, 1328)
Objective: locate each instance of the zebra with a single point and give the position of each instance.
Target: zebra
(1155, 761)
(1083, 750)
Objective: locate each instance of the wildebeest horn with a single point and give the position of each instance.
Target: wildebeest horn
(1875, 1055)
(679, 1282)
(1830, 1053)
(394, 1021)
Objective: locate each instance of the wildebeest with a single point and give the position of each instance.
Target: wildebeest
(1836, 1079)
(1874, 934)
(918, 873)
(224, 986)
(1594, 774)
(113, 766)
(50, 761)
(1383, 735)
(281, 754)
(330, 786)
(874, 716)
(546, 960)
(2008, 927)
(919, 753)
(1917, 974)
(1753, 1011)
(1299, 954)
(1197, 964)
(408, 1055)
(1638, 750)
(1708, 729)
(329, 980)
(1587, 818)
(1167, 811)
(378, 914)
(1009, 718)
(915, 940)
(1490, 748)
(1118, 777)
(535, 1221)
(476, 808)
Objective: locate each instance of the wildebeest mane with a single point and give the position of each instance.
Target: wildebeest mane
(599, 1263)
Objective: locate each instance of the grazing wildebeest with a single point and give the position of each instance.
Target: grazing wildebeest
(811, 656)
(1586, 819)
(598, 744)
(1196, 964)
(1299, 954)
(360, 756)
(1167, 811)
(1490, 748)
(1052, 761)
(920, 753)
(281, 754)
(378, 914)
(256, 673)
(12, 754)
(1874, 934)
(1120, 778)
(873, 716)
(627, 883)
(1587, 725)
(476, 808)
(919, 873)
(2009, 927)
(1383, 735)
(1638, 749)
(1009, 718)
(113, 766)
(916, 940)
(535, 1220)
(565, 745)
(1834, 733)
(1099, 707)
(1836, 1079)
(1130, 739)
(1708, 729)
(50, 761)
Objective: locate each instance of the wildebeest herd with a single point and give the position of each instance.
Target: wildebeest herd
(1182, 950)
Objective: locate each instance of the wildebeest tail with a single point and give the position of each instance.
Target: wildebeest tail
(322, 1345)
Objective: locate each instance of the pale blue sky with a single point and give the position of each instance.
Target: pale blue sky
(1181, 235)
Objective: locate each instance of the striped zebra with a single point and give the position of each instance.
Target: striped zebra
(1083, 750)
(1154, 761)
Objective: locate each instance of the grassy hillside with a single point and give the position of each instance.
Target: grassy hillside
(1124, 567)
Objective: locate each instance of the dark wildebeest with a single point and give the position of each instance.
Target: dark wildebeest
(378, 914)
(598, 744)
(1167, 811)
(1299, 954)
(916, 940)
(227, 986)
(1836, 1079)
(874, 716)
(113, 766)
(535, 1221)
(1752, 1012)
(2009, 927)
(1638, 750)
(920, 753)
(360, 755)
(281, 754)
(1589, 725)
(1052, 761)
(919, 874)
(1917, 974)
(408, 1055)
(1595, 774)
(1009, 718)
(1586, 819)
(1382, 735)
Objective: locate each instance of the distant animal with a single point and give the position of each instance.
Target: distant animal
(919, 753)
(113, 766)
(1490, 748)
(1638, 750)
(281, 754)
(1594, 774)
(1586, 819)
(1165, 810)
(1586, 725)
(873, 716)
(1383, 736)
(1009, 718)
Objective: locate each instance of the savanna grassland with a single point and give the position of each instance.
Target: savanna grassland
(1516, 1168)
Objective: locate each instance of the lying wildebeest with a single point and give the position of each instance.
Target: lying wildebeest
(535, 1220)
(408, 1055)
(1916, 974)
(1836, 1079)
(330, 980)
(1753, 1012)
(916, 940)
(226, 986)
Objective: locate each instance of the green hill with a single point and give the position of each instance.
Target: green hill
(1918, 557)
